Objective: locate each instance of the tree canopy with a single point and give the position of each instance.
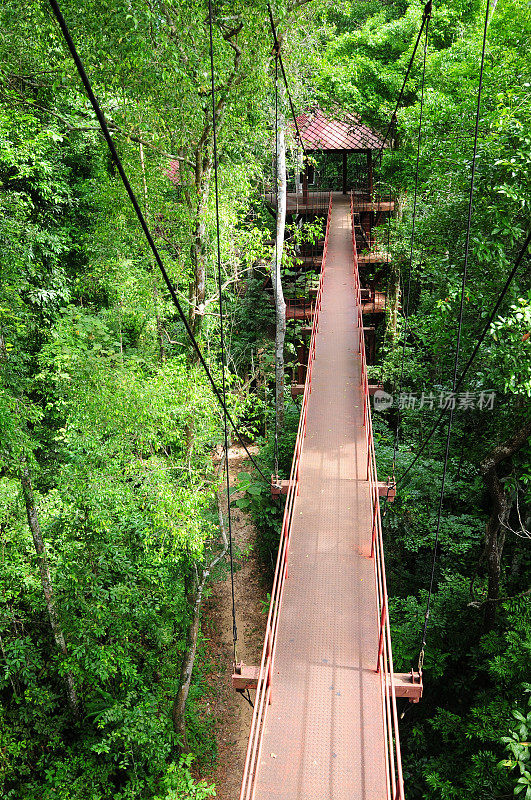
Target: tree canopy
(110, 434)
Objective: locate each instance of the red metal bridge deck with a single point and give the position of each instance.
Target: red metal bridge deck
(325, 733)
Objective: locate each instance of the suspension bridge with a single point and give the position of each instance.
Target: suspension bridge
(325, 719)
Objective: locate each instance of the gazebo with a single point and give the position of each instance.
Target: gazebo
(341, 134)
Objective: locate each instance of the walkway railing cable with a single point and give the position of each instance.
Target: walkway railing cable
(457, 345)
(222, 336)
(116, 158)
(278, 54)
(425, 18)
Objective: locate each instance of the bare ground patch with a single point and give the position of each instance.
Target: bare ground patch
(231, 712)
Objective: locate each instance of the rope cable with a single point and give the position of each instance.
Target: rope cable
(277, 51)
(222, 336)
(425, 20)
(116, 158)
(275, 285)
(457, 345)
(425, 17)
(472, 357)
(412, 242)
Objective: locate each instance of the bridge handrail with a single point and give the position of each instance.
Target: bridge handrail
(384, 662)
(263, 692)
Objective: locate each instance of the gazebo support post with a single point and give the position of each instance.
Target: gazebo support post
(369, 174)
(345, 171)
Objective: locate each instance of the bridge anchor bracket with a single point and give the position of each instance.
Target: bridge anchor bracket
(408, 685)
(387, 489)
(245, 677)
(279, 487)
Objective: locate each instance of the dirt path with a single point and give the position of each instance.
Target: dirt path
(232, 713)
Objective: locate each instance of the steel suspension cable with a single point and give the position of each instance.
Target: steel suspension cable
(457, 345)
(412, 243)
(276, 268)
(116, 158)
(277, 51)
(425, 20)
(221, 327)
(473, 355)
(425, 17)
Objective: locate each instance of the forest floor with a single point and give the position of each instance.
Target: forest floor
(231, 712)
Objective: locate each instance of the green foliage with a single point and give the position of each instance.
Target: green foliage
(510, 356)
(265, 510)
(180, 785)
(518, 746)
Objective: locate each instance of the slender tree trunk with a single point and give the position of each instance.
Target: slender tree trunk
(154, 290)
(3, 348)
(198, 250)
(229, 29)
(194, 598)
(499, 514)
(494, 543)
(392, 304)
(492, 9)
(394, 288)
(276, 277)
(46, 580)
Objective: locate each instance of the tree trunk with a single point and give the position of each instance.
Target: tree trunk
(198, 250)
(194, 597)
(276, 277)
(394, 288)
(46, 581)
(392, 304)
(499, 514)
(154, 290)
(3, 348)
(492, 9)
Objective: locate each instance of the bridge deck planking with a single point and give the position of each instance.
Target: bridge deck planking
(323, 737)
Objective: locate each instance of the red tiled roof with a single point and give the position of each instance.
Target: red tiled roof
(320, 132)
